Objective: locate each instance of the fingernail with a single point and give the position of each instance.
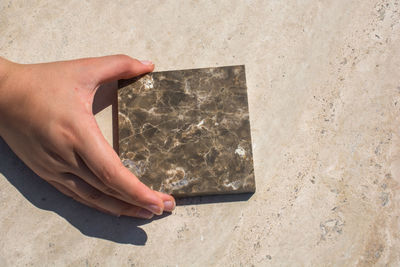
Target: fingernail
(169, 205)
(146, 62)
(145, 214)
(155, 209)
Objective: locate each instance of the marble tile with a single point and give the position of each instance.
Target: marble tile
(187, 132)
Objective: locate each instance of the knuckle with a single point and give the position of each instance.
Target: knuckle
(47, 172)
(63, 129)
(111, 192)
(108, 211)
(60, 148)
(108, 174)
(127, 210)
(94, 195)
(123, 57)
(124, 60)
(57, 162)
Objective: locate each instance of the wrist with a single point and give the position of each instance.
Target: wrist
(6, 68)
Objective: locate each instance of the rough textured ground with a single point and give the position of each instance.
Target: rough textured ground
(324, 96)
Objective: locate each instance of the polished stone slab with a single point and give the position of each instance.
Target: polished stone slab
(187, 132)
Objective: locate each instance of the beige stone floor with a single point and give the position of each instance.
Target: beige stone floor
(324, 93)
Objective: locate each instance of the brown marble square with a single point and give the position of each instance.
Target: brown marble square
(187, 132)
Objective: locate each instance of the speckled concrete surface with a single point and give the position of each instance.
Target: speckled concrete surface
(324, 95)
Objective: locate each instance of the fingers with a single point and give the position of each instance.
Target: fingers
(168, 200)
(111, 68)
(102, 160)
(89, 177)
(74, 187)
(70, 193)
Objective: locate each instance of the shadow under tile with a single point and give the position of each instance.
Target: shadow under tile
(196, 200)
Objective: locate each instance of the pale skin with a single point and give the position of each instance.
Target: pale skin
(46, 118)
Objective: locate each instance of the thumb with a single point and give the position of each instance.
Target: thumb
(115, 67)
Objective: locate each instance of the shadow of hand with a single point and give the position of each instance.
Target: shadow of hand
(88, 221)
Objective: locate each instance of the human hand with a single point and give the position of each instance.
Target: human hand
(46, 118)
